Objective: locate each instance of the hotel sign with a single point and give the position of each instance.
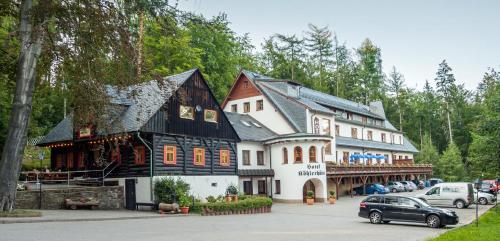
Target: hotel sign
(312, 170)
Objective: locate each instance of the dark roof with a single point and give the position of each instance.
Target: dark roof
(293, 106)
(292, 110)
(299, 135)
(351, 142)
(130, 107)
(62, 132)
(249, 131)
(256, 172)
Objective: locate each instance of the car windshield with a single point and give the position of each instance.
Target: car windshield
(378, 185)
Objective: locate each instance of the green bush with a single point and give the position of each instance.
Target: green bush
(246, 204)
(310, 194)
(166, 189)
(211, 199)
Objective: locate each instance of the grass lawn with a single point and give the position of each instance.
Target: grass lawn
(20, 213)
(489, 229)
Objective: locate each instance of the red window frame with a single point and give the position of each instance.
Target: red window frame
(195, 154)
(169, 149)
(139, 155)
(225, 158)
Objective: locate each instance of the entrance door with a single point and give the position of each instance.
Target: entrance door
(262, 186)
(130, 194)
(308, 186)
(247, 187)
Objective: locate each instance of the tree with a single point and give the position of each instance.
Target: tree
(137, 11)
(71, 35)
(318, 41)
(484, 151)
(396, 85)
(428, 153)
(450, 166)
(369, 72)
(343, 75)
(293, 50)
(445, 83)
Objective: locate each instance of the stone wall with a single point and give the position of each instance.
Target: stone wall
(109, 197)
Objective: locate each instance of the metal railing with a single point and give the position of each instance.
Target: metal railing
(59, 177)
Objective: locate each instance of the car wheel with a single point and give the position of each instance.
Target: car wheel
(375, 217)
(483, 201)
(394, 190)
(460, 204)
(433, 221)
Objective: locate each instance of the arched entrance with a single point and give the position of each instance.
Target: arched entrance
(318, 188)
(308, 186)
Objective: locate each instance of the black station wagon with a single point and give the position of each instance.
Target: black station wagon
(388, 208)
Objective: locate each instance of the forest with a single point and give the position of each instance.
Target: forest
(87, 44)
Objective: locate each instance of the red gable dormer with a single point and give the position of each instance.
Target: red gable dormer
(242, 88)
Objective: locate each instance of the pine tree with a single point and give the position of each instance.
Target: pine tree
(318, 41)
(428, 153)
(369, 72)
(396, 85)
(450, 166)
(445, 83)
(293, 50)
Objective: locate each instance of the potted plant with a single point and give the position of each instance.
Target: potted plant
(331, 197)
(184, 204)
(310, 197)
(232, 193)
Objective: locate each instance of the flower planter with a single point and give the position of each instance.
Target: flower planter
(310, 201)
(228, 198)
(184, 210)
(332, 200)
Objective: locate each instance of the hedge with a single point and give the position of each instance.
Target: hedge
(247, 204)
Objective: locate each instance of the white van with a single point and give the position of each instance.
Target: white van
(458, 194)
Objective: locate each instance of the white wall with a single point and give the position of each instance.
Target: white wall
(200, 186)
(345, 131)
(310, 129)
(293, 176)
(269, 116)
(255, 184)
(253, 147)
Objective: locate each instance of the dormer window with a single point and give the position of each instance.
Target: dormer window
(260, 105)
(246, 107)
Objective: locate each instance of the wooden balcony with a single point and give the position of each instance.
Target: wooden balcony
(402, 161)
(344, 170)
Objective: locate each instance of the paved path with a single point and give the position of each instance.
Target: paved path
(286, 222)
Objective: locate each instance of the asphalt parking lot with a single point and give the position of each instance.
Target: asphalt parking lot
(286, 222)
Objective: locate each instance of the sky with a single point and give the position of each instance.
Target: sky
(414, 36)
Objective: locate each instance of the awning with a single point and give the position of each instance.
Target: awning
(359, 156)
(256, 172)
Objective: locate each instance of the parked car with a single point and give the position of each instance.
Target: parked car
(484, 198)
(495, 187)
(458, 194)
(434, 181)
(395, 187)
(409, 186)
(388, 208)
(375, 188)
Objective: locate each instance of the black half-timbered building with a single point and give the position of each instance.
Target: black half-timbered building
(176, 124)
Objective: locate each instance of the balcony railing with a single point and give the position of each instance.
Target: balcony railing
(360, 169)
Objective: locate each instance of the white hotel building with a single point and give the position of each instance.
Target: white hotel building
(295, 139)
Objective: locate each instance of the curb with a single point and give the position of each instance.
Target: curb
(85, 219)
